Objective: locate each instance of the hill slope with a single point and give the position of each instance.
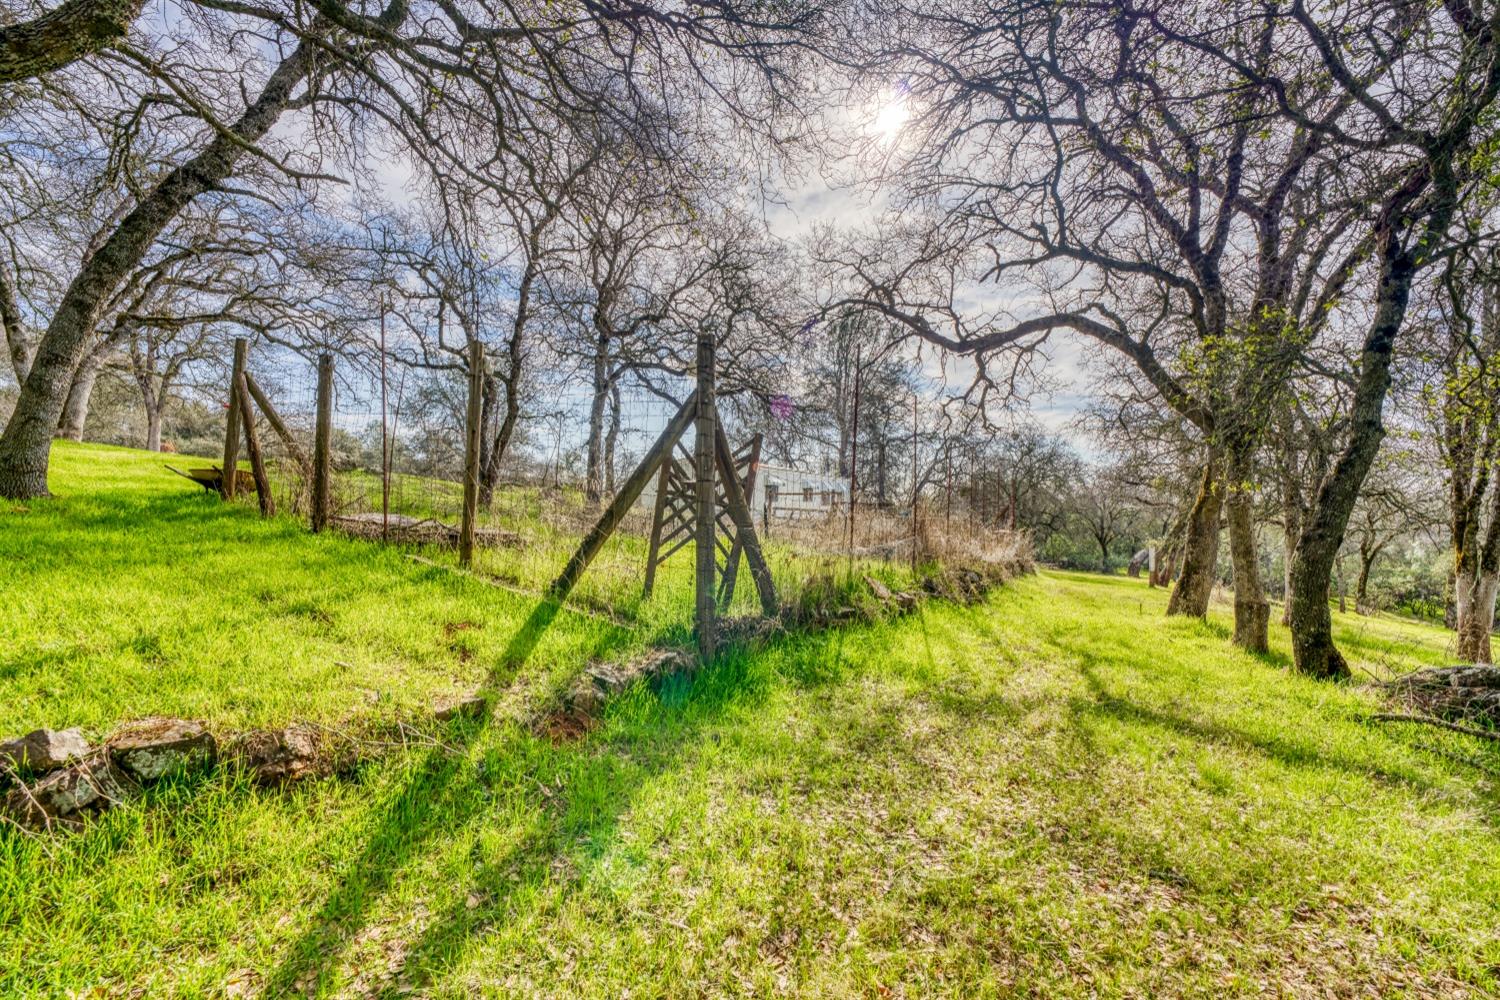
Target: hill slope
(1056, 792)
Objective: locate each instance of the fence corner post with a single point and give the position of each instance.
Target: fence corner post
(706, 605)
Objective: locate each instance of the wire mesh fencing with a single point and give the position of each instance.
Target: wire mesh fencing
(399, 452)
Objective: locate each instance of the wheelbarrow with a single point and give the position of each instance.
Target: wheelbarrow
(212, 479)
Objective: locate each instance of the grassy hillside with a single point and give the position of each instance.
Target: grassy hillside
(1057, 793)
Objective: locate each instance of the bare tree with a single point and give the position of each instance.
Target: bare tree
(1463, 395)
(1196, 190)
(452, 82)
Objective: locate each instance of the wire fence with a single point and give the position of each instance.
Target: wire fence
(397, 449)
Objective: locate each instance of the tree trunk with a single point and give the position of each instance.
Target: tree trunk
(1289, 533)
(489, 467)
(516, 357)
(611, 439)
(153, 427)
(1200, 547)
(1475, 598)
(1252, 613)
(76, 408)
(594, 480)
(15, 335)
(1313, 650)
(1362, 584)
(25, 446)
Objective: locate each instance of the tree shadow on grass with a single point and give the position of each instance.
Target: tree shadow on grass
(581, 797)
(1287, 751)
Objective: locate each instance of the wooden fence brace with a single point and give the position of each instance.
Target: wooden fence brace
(737, 546)
(278, 425)
(744, 522)
(232, 422)
(252, 448)
(629, 493)
(323, 443)
(704, 449)
(656, 525)
(471, 454)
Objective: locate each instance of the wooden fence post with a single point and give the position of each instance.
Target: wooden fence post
(471, 454)
(232, 423)
(323, 443)
(704, 447)
(252, 447)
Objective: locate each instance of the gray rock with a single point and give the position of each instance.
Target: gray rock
(43, 750)
(612, 678)
(469, 706)
(149, 748)
(92, 784)
(881, 591)
(277, 756)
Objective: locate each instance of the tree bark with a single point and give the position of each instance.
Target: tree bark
(63, 35)
(612, 438)
(1475, 597)
(1200, 547)
(16, 344)
(1289, 535)
(1367, 557)
(594, 479)
(489, 468)
(1313, 650)
(153, 427)
(76, 408)
(1252, 613)
(25, 445)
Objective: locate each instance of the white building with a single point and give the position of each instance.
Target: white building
(782, 491)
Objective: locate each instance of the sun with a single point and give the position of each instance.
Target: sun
(891, 119)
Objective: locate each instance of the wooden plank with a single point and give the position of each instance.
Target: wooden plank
(252, 448)
(658, 514)
(629, 493)
(471, 454)
(278, 425)
(746, 458)
(232, 424)
(759, 571)
(706, 423)
(323, 444)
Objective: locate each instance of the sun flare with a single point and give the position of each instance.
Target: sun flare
(890, 120)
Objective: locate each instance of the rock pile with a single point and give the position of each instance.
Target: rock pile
(58, 778)
(51, 779)
(823, 603)
(1467, 693)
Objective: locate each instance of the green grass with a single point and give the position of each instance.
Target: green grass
(1054, 793)
(134, 592)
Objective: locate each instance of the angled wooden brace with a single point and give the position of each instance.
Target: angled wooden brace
(739, 510)
(629, 493)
